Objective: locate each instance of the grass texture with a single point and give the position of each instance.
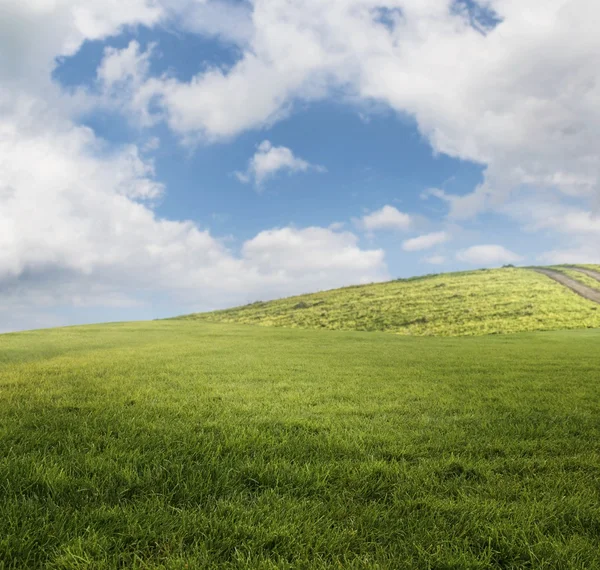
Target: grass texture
(179, 445)
(471, 303)
(580, 277)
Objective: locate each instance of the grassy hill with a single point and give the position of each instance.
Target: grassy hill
(578, 276)
(469, 303)
(592, 266)
(179, 444)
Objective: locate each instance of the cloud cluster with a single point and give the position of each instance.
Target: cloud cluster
(486, 255)
(387, 218)
(269, 160)
(77, 224)
(511, 85)
(33, 33)
(426, 241)
(82, 216)
(576, 229)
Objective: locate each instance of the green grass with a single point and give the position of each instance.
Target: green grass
(180, 444)
(470, 303)
(578, 276)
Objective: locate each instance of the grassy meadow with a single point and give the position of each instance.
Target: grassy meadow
(471, 303)
(183, 444)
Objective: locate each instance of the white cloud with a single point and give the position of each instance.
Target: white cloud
(435, 260)
(487, 255)
(124, 65)
(426, 241)
(121, 78)
(578, 230)
(228, 20)
(314, 249)
(561, 218)
(269, 160)
(388, 218)
(152, 144)
(581, 254)
(34, 33)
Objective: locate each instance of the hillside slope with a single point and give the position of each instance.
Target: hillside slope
(469, 303)
(586, 275)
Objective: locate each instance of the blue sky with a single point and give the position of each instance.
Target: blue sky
(182, 155)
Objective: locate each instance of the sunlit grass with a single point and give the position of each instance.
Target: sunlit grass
(592, 266)
(470, 303)
(180, 444)
(580, 277)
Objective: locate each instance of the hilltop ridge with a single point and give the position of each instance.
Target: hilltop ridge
(484, 301)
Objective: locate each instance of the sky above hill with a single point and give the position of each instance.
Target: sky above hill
(159, 157)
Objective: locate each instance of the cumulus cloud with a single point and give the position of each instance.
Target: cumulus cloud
(34, 34)
(388, 218)
(121, 78)
(487, 255)
(120, 66)
(578, 229)
(319, 251)
(581, 254)
(228, 20)
(269, 160)
(426, 241)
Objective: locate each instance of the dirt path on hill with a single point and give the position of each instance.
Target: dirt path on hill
(579, 288)
(589, 272)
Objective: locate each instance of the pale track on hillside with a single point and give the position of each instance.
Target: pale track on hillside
(575, 286)
(589, 272)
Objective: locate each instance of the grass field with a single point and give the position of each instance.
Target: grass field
(471, 303)
(182, 444)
